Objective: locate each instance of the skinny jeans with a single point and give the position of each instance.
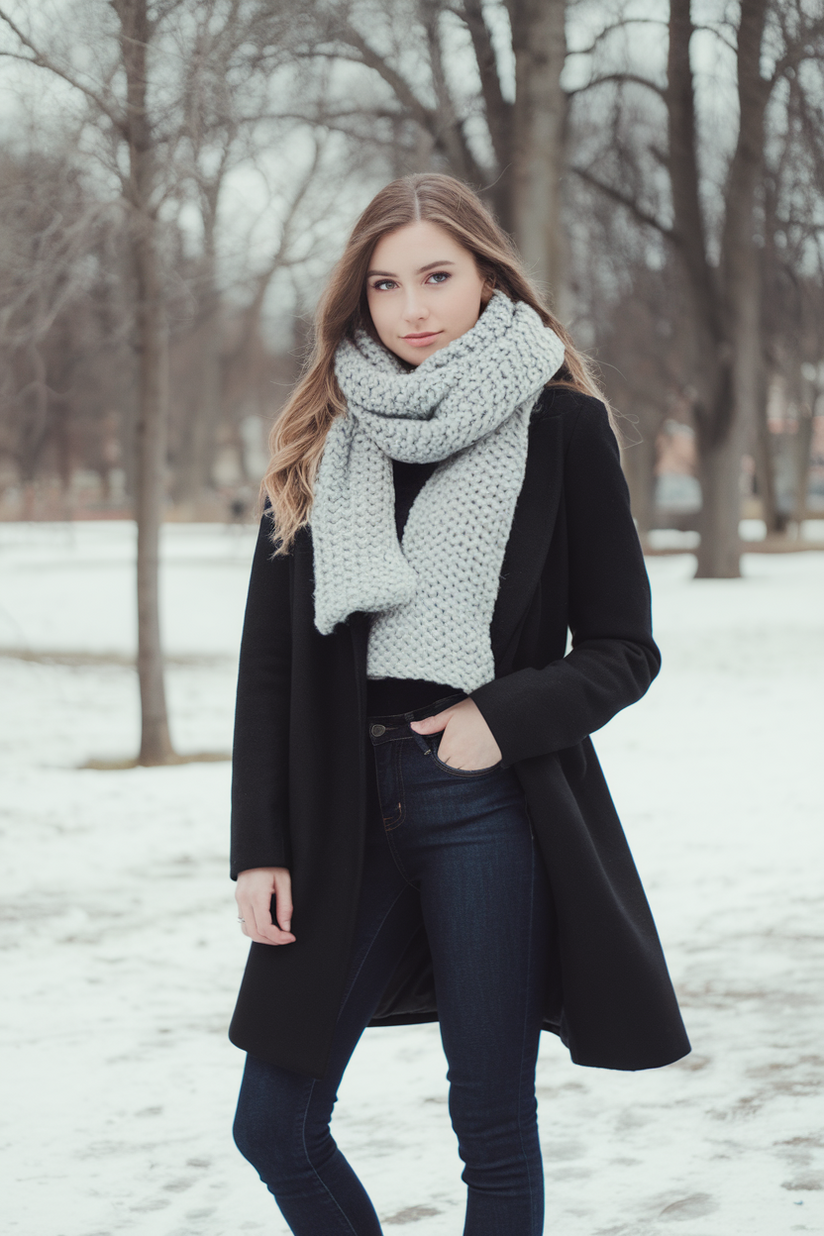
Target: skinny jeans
(451, 852)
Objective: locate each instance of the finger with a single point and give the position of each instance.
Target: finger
(246, 918)
(431, 725)
(250, 924)
(268, 931)
(283, 905)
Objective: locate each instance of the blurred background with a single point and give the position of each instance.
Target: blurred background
(198, 163)
(176, 179)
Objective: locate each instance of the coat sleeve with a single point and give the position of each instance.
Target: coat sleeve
(613, 658)
(260, 753)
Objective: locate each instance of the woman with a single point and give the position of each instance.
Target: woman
(412, 766)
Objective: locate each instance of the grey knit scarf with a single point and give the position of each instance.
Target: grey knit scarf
(467, 405)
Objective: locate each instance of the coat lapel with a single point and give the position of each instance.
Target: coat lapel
(532, 526)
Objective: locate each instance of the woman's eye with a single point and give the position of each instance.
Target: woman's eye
(383, 285)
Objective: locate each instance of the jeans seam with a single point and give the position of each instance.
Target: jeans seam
(390, 841)
(318, 1176)
(398, 752)
(523, 1038)
(388, 832)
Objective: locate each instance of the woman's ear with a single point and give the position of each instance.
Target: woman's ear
(487, 290)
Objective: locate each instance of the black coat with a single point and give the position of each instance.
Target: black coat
(573, 562)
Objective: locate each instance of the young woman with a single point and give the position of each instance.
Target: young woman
(421, 830)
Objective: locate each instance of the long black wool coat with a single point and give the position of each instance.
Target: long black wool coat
(299, 792)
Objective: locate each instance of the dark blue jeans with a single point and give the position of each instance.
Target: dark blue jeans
(449, 851)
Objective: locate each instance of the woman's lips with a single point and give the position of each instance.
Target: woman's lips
(420, 341)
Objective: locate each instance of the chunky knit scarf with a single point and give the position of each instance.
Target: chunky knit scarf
(467, 405)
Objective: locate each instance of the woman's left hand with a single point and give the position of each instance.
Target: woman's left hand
(467, 741)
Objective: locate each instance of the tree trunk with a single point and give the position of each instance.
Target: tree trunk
(718, 456)
(538, 130)
(689, 233)
(719, 471)
(155, 743)
(35, 423)
(638, 461)
(740, 257)
(152, 350)
(726, 345)
(803, 445)
(198, 450)
(765, 463)
(498, 111)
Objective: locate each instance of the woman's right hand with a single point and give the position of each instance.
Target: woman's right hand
(253, 895)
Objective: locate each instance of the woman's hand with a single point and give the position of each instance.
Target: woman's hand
(467, 741)
(253, 895)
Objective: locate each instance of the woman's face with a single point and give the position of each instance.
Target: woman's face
(423, 290)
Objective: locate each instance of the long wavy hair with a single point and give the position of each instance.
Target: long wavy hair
(298, 435)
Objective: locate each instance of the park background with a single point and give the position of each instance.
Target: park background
(176, 179)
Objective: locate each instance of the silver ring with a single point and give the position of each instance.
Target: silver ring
(241, 920)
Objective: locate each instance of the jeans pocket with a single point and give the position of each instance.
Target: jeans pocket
(435, 742)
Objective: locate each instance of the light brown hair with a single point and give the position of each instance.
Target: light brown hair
(299, 432)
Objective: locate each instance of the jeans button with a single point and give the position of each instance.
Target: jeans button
(377, 730)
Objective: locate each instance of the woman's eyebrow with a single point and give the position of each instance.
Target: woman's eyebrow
(388, 274)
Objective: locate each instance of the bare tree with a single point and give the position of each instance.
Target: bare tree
(221, 104)
(722, 294)
(126, 116)
(231, 120)
(453, 108)
(792, 258)
(143, 110)
(49, 229)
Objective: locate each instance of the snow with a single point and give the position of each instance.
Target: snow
(811, 531)
(121, 954)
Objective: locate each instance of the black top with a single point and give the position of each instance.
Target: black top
(385, 696)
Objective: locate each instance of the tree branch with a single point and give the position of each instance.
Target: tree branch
(642, 215)
(450, 130)
(801, 48)
(42, 61)
(617, 25)
(623, 79)
(497, 108)
(398, 84)
(720, 35)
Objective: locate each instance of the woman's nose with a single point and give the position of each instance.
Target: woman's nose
(415, 309)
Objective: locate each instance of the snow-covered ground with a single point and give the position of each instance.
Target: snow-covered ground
(121, 955)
